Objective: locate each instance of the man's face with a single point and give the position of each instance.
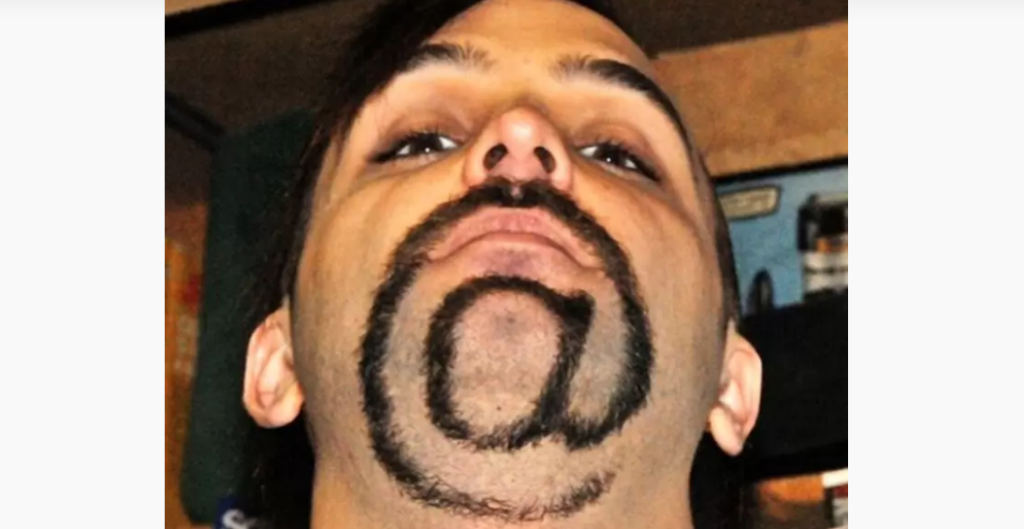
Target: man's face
(508, 299)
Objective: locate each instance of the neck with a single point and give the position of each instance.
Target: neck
(337, 504)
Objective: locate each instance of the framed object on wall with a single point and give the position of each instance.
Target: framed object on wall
(789, 235)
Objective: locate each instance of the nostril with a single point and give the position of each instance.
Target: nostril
(494, 155)
(547, 160)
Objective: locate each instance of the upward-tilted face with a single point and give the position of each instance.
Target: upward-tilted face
(508, 303)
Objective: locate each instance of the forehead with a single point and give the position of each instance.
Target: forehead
(532, 30)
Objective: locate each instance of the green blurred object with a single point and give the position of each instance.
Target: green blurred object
(251, 173)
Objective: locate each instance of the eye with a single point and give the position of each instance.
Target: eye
(619, 157)
(416, 144)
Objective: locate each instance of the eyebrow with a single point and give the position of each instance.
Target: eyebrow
(625, 76)
(608, 71)
(444, 53)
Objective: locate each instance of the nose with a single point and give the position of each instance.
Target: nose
(521, 145)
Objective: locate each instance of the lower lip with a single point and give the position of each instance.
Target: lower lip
(513, 239)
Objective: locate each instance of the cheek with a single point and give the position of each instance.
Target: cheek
(349, 244)
(679, 274)
(684, 293)
(673, 256)
(669, 245)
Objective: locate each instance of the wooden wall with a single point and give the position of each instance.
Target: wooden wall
(766, 102)
(172, 7)
(185, 233)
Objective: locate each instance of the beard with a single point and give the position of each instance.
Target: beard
(555, 413)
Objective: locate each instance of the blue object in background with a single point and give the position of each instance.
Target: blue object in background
(229, 516)
(769, 242)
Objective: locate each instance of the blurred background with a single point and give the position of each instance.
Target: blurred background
(763, 85)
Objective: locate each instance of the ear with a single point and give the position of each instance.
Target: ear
(739, 394)
(271, 391)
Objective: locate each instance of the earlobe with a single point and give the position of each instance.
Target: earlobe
(271, 392)
(739, 397)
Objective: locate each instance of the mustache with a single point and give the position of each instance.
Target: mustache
(503, 193)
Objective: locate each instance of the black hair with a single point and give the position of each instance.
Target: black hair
(279, 481)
